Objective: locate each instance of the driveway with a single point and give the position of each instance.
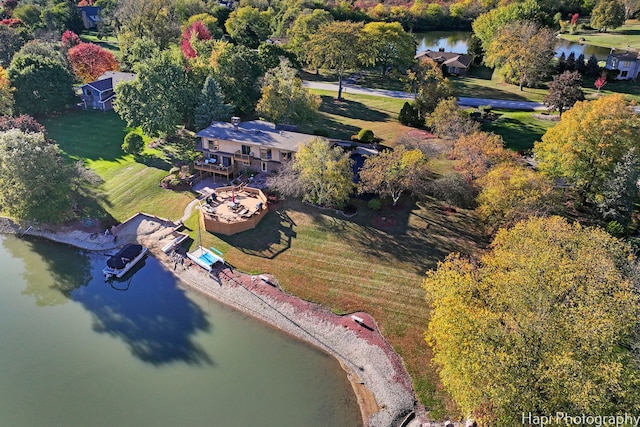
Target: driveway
(465, 102)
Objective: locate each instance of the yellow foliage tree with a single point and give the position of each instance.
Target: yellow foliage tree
(476, 153)
(545, 322)
(6, 93)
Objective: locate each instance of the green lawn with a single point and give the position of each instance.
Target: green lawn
(483, 82)
(519, 129)
(625, 37)
(109, 43)
(129, 184)
(349, 264)
(342, 119)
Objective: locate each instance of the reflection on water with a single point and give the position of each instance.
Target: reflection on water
(86, 354)
(457, 41)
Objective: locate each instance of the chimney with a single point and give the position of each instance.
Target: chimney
(235, 121)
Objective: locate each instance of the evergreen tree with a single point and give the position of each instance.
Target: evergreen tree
(593, 69)
(561, 64)
(571, 62)
(211, 106)
(621, 190)
(581, 66)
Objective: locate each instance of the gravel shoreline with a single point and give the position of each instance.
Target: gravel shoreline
(382, 386)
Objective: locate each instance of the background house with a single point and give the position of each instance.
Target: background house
(90, 16)
(99, 94)
(456, 63)
(628, 63)
(230, 148)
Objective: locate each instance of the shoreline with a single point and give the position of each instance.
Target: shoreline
(382, 387)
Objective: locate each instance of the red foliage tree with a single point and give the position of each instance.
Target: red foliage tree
(69, 39)
(196, 31)
(23, 122)
(89, 61)
(11, 22)
(601, 81)
(574, 18)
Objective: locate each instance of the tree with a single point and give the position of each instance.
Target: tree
(270, 55)
(523, 51)
(409, 116)
(337, 46)
(593, 69)
(238, 71)
(511, 193)
(305, 25)
(34, 180)
(393, 172)
(10, 43)
(607, 14)
(209, 21)
(6, 93)
(89, 61)
(284, 99)
(601, 81)
(427, 81)
(154, 19)
(391, 45)
(325, 174)
(620, 190)
(24, 123)
(138, 51)
(478, 152)
(191, 35)
(211, 106)
(449, 121)
(588, 142)
(564, 91)
(133, 144)
(248, 26)
(42, 85)
(522, 329)
(29, 14)
(488, 25)
(69, 39)
(161, 97)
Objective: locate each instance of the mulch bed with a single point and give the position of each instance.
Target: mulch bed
(384, 222)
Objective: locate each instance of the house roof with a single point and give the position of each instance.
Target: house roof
(256, 132)
(451, 59)
(92, 12)
(109, 80)
(626, 56)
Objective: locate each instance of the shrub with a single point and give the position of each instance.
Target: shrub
(374, 204)
(133, 143)
(615, 229)
(409, 116)
(365, 135)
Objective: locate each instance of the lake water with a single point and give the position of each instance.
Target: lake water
(76, 352)
(456, 41)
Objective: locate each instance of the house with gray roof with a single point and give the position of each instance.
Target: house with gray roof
(627, 62)
(99, 94)
(457, 63)
(90, 16)
(230, 148)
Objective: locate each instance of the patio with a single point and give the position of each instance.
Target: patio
(233, 209)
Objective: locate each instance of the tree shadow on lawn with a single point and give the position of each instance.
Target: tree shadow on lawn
(273, 236)
(517, 135)
(351, 110)
(153, 161)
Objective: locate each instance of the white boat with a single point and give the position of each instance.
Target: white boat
(124, 260)
(205, 258)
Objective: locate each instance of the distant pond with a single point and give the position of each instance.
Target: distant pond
(457, 41)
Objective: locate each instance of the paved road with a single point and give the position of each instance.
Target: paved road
(466, 102)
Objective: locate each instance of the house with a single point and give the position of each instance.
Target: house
(99, 94)
(90, 16)
(230, 148)
(456, 63)
(627, 62)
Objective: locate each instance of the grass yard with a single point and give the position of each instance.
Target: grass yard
(129, 184)
(483, 82)
(342, 119)
(519, 129)
(348, 264)
(625, 37)
(109, 43)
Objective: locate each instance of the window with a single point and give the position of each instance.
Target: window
(213, 144)
(226, 161)
(246, 150)
(624, 74)
(626, 64)
(285, 155)
(265, 153)
(264, 167)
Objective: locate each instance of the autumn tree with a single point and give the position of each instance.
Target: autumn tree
(69, 39)
(430, 86)
(601, 81)
(34, 179)
(305, 25)
(586, 144)
(449, 121)
(10, 42)
(325, 175)
(24, 123)
(564, 91)
(489, 24)
(522, 51)
(391, 45)
(547, 314)
(153, 19)
(160, 98)
(476, 153)
(6, 93)
(89, 61)
(510, 193)
(211, 106)
(607, 14)
(394, 172)
(284, 99)
(337, 46)
(192, 36)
